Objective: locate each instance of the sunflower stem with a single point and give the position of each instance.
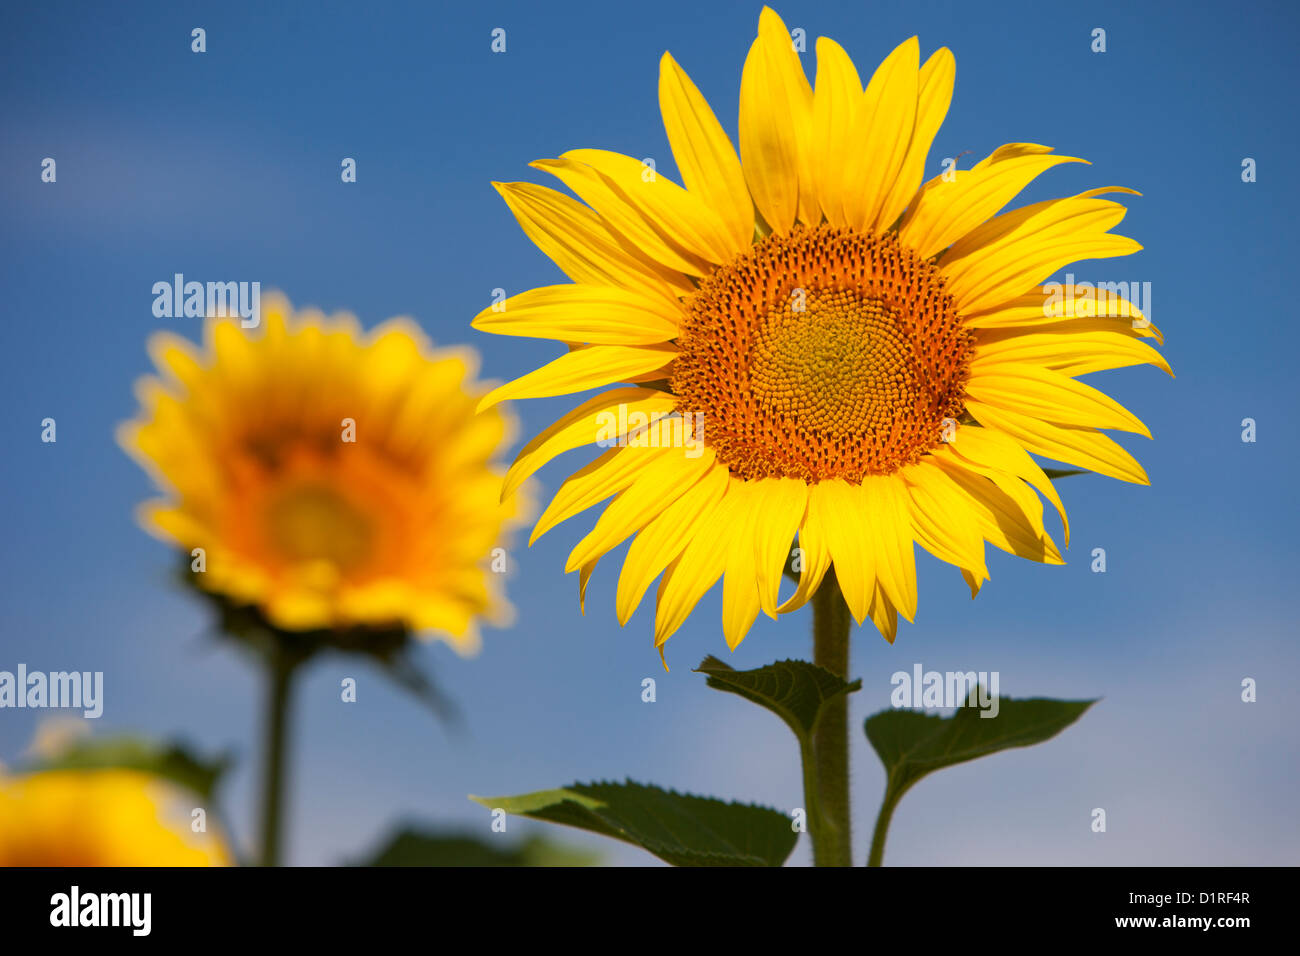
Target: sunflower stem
(877, 854)
(832, 833)
(279, 684)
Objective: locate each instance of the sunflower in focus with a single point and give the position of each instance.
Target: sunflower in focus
(333, 479)
(99, 818)
(847, 354)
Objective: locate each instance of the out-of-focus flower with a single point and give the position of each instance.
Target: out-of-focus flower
(99, 818)
(334, 479)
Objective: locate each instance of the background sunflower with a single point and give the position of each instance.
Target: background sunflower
(99, 818)
(332, 479)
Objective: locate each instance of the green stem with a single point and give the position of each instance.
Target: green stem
(877, 855)
(833, 845)
(282, 667)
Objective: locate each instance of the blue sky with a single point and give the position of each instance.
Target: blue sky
(225, 165)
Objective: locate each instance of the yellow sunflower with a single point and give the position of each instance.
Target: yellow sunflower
(846, 354)
(331, 478)
(99, 818)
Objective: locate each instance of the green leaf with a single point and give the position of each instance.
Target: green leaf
(171, 762)
(1055, 473)
(795, 691)
(682, 829)
(912, 744)
(415, 847)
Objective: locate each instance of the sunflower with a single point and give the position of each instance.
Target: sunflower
(332, 479)
(858, 359)
(99, 818)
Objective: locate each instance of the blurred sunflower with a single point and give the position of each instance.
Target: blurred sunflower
(99, 818)
(334, 479)
(867, 359)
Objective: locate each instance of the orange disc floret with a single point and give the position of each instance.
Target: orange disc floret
(822, 353)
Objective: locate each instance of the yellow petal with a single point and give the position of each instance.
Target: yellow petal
(775, 124)
(699, 566)
(1073, 445)
(1052, 218)
(933, 99)
(584, 578)
(1010, 151)
(1070, 308)
(603, 478)
(786, 59)
(883, 614)
(881, 135)
(664, 538)
(1068, 352)
(234, 354)
(778, 511)
(580, 244)
(657, 486)
(1009, 255)
(815, 559)
(890, 526)
(582, 369)
(990, 451)
(941, 519)
(599, 314)
(836, 100)
(600, 418)
(621, 214)
(177, 356)
(842, 515)
(1008, 519)
(949, 208)
(740, 602)
(703, 152)
(682, 216)
(1050, 396)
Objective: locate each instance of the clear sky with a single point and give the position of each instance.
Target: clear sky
(225, 165)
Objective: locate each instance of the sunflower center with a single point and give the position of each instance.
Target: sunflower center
(822, 354)
(313, 523)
